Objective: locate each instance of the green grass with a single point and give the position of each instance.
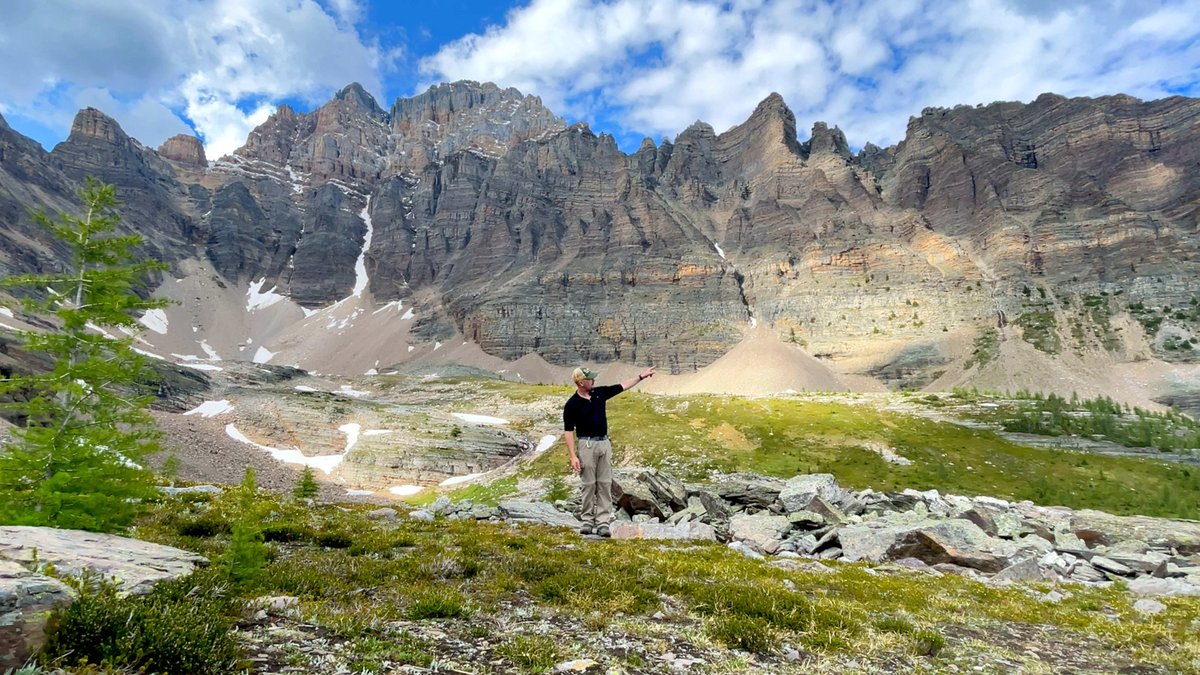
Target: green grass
(693, 436)
(463, 574)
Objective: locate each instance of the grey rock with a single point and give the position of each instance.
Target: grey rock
(1086, 573)
(949, 541)
(1108, 565)
(685, 530)
(799, 490)
(382, 514)
(1169, 587)
(26, 601)
(763, 532)
(422, 515)
(1023, 570)
(134, 565)
(191, 489)
(806, 519)
(746, 550)
(648, 491)
(537, 512)
(1148, 606)
(441, 505)
(748, 489)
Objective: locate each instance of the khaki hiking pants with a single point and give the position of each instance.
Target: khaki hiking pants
(595, 460)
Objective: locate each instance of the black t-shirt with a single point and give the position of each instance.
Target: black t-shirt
(586, 416)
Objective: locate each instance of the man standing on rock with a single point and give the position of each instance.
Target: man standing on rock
(584, 419)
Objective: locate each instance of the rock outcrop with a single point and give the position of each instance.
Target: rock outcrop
(28, 597)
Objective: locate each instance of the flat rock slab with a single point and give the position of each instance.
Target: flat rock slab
(537, 512)
(682, 530)
(134, 565)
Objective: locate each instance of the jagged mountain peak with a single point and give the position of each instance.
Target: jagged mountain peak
(92, 123)
(355, 93)
(185, 149)
(828, 141)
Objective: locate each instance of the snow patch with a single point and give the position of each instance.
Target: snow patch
(351, 392)
(202, 366)
(325, 463)
(395, 304)
(211, 408)
(410, 348)
(212, 353)
(7, 312)
(143, 352)
(455, 480)
(255, 299)
(405, 490)
(407, 315)
(308, 312)
(479, 419)
(437, 346)
(358, 493)
(544, 444)
(371, 371)
(720, 252)
(361, 281)
(305, 389)
(351, 430)
(377, 432)
(263, 355)
(155, 320)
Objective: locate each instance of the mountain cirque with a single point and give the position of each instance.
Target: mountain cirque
(485, 219)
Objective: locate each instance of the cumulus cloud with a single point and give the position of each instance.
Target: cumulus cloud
(218, 66)
(654, 66)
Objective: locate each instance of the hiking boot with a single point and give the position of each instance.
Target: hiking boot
(586, 529)
(603, 531)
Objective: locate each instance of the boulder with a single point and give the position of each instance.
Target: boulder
(1109, 565)
(26, 601)
(681, 530)
(537, 512)
(648, 491)
(763, 532)
(382, 514)
(799, 491)
(748, 489)
(1162, 533)
(1024, 570)
(959, 542)
(134, 565)
(1155, 586)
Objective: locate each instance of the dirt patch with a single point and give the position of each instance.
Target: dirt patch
(728, 435)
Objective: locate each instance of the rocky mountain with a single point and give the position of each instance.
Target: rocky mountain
(1065, 225)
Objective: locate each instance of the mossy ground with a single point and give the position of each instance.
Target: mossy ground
(495, 597)
(694, 436)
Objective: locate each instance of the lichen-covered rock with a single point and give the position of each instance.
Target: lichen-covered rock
(26, 601)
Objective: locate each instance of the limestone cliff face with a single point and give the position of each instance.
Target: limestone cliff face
(526, 235)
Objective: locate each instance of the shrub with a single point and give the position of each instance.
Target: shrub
(181, 626)
(307, 487)
(439, 603)
(333, 539)
(535, 653)
(736, 631)
(286, 532)
(206, 525)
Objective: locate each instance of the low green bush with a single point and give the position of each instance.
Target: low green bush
(438, 603)
(181, 626)
(533, 653)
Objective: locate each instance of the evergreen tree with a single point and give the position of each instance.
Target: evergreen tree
(247, 554)
(76, 461)
(307, 488)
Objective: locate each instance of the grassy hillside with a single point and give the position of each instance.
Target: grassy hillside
(695, 435)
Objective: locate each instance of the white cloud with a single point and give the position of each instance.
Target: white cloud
(654, 66)
(222, 64)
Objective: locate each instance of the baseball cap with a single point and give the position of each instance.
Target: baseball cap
(584, 374)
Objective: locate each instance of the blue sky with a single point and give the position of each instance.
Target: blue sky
(632, 68)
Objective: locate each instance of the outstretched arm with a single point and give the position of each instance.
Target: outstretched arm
(632, 382)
